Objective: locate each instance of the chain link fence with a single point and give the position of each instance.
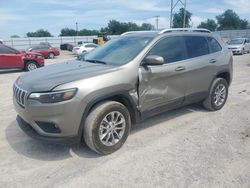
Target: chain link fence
(24, 43)
(226, 35)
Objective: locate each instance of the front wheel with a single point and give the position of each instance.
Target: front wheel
(217, 95)
(107, 127)
(31, 65)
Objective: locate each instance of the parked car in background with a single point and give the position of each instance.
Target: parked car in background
(239, 45)
(124, 81)
(85, 47)
(11, 58)
(1, 41)
(46, 51)
(66, 46)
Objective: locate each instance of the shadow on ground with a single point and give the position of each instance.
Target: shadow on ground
(8, 71)
(31, 148)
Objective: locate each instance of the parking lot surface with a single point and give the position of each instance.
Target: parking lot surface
(186, 147)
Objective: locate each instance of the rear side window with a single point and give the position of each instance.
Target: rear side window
(6, 50)
(36, 48)
(196, 46)
(172, 49)
(213, 45)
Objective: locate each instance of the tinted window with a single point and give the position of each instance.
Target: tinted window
(6, 50)
(40, 47)
(196, 46)
(172, 49)
(36, 48)
(44, 47)
(213, 45)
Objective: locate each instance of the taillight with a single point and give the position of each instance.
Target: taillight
(77, 48)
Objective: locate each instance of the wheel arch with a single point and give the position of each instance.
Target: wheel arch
(225, 75)
(25, 61)
(122, 96)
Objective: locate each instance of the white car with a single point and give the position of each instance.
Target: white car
(86, 47)
(239, 45)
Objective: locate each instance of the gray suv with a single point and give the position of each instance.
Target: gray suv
(130, 78)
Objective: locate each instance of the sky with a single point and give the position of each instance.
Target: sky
(17, 17)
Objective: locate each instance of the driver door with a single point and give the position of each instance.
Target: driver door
(163, 87)
(9, 58)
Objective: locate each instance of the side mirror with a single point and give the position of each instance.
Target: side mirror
(154, 60)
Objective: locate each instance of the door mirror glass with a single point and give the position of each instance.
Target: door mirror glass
(154, 60)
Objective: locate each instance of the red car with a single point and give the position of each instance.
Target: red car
(12, 58)
(45, 50)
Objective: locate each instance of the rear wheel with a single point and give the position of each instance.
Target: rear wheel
(107, 127)
(51, 55)
(31, 65)
(217, 95)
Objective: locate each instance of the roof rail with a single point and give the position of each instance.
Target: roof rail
(185, 29)
(134, 32)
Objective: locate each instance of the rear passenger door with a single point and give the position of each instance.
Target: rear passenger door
(203, 56)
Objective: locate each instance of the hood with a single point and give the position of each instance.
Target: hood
(48, 77)
(30, 53)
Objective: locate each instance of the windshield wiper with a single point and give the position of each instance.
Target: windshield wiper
(95, 61)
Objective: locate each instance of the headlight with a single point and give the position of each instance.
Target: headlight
(54, 96)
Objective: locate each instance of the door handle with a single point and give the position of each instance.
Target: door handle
(180, 68)
(212, 61)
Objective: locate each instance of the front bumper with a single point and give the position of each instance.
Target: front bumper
(27, 128)
(236, 51)
(51, 122)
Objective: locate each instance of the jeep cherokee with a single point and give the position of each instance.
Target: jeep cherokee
(128, 79)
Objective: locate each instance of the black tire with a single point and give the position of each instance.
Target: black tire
(31, 65)
(51, 55)
(93, 122)
(209, 103)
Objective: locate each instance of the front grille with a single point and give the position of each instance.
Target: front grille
(20, 95)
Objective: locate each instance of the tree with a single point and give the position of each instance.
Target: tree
(208, 24)
(39, 33)
(147, 27)
(14, 36)
(244, 24)
(116, 28)
(68, 32)
(230, 20)
(87, 32)
(179, 18)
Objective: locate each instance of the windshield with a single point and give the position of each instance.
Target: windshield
(118, 51)
(236, 41)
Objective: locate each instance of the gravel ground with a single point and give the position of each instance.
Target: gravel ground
(187, 147)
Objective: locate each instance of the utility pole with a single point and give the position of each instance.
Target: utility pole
(171, 14)
(184, 18)
(157, 22)
(174, 3)
(76, 28)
